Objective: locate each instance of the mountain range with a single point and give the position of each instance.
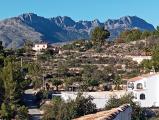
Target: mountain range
(16, 31)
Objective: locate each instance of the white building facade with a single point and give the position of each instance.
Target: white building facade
(39, 47)
(100, 98)
(145, 89)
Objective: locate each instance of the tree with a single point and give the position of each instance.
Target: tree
(93, 83)
(100, 75)
(5, 112)
(137, 113)
(1, 61)
(117, 81)
(146, 65)
(49, 112)
(62, 69)
(2, 90)
(134, 35)
(130, 35)
(13, 80)
(12, 85)
(56, 83)
(88, 44)
(61, 110)
(99, 35)
(84, 105)
(1, 48)
(154, 62)
(28, 46)
(35, 73)
(9, 83)
(155, 58)
(145, 34)
(22, 113)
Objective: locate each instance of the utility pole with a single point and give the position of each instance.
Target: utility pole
(43, 81)
(21, 62)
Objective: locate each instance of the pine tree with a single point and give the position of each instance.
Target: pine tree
(99, 35)
(9, 83)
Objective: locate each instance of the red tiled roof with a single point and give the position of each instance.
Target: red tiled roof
(135, 79)
(149, 75)
(142, 76)
(105, 115)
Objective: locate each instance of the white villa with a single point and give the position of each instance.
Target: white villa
(144, 89)
(100, 98)
(40, 46)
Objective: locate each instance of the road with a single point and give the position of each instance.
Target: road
(29, 100)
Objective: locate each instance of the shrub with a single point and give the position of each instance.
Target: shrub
(137, 113)
(61, 110)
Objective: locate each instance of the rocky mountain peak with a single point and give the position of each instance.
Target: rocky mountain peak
(30, 26)
(129, 22)
(96, 22)
(28, 16)
(64, 21)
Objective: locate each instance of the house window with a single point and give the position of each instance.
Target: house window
(139, 86)
(142, 96)
(131, 85)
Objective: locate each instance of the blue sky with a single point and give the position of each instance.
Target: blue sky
(83, 9)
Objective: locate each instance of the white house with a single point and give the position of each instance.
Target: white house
(100, 98)
(40, 46)
(145, 89)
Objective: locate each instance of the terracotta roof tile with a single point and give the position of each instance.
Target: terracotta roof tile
(142, 76)
(135, 79)
(105, 115)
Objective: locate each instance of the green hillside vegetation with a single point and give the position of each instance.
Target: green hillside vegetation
(12, 86)
(83, 65)
(135, 34)
(61, 110)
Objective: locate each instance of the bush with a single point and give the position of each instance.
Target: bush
(98, 49)
(137, 113)
(22, 113)
(61, 110)
(84, 105)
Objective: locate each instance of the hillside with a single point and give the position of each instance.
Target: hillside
(14, 32)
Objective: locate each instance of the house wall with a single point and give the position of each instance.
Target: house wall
(152, 96)
(100, 98)
(124, 115)
(39, 47)
(150, 89)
